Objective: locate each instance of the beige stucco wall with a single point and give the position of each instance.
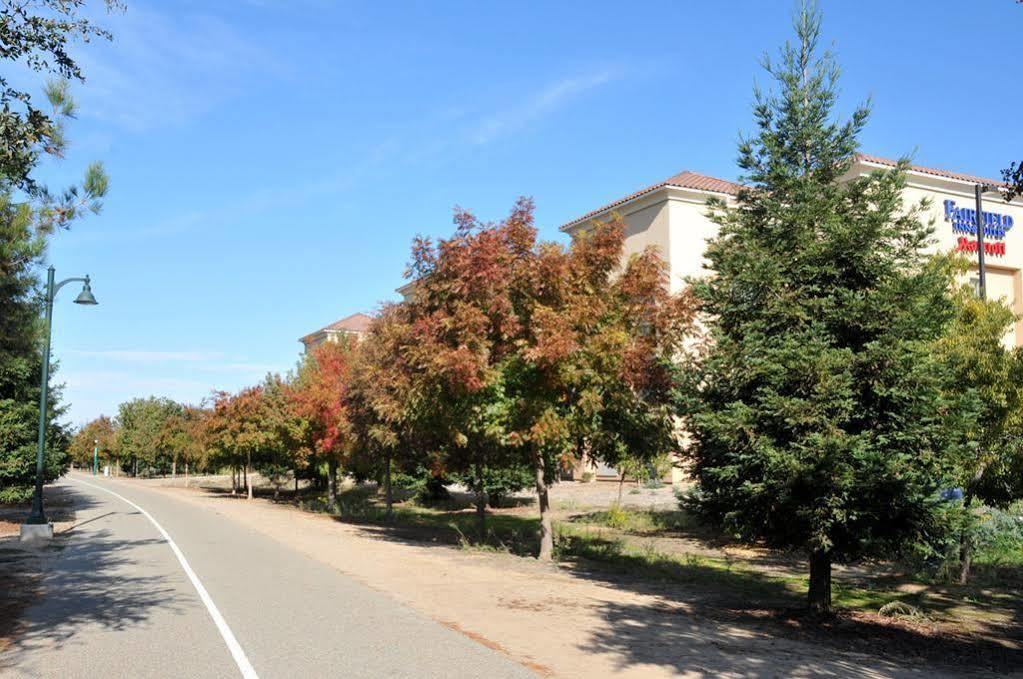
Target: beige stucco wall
(689, 231)
(646, 225)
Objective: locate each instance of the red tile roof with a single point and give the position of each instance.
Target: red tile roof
(355, 323)
(683, 180)
(700, 182)
(947, 174)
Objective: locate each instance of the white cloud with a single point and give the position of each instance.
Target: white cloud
(539, 104)
(447, 129)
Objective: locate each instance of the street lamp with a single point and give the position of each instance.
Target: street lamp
(95, 457)
(36, 525)
(979, 191)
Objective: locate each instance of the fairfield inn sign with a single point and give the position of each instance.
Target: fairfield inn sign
(964, 221)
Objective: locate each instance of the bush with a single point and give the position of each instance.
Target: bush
(500, 483)
(998, 537)
(427, 487)
(617, 518)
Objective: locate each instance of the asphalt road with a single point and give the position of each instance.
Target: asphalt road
(119, 602)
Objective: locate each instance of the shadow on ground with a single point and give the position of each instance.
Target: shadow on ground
(734, 615)
(76, 583)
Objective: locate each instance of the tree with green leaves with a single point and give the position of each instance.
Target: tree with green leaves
(143, 441)
(1013, 178)
(181, 436)
(818, 416)
(988, 378)
(97, 437)
(283, 431)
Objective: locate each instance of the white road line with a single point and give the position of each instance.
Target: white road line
(232, 644)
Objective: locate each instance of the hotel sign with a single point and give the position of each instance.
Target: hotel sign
(964, 221)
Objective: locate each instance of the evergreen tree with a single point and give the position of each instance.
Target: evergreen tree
(817, 413)
(36, 36)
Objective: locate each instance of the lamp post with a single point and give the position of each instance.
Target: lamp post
(95, 457)
(979, 190)
(37, 517)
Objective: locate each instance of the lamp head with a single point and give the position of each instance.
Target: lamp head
(85, 296)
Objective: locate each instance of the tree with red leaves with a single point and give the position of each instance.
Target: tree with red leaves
(531, 352)
(233, 429)
(251, 428)
(595, 368)
(464, 324)
(383, 399)
(320, 396)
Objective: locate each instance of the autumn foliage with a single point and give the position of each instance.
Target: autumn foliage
(512, 358)
(320, 396)
(532, 353)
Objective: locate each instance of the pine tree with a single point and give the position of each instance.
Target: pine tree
(817, 414)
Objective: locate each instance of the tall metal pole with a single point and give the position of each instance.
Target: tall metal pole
(37, 516)
(979, 192)
(95, 457)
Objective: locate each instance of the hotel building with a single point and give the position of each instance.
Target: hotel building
(353, 327)
(672, 216)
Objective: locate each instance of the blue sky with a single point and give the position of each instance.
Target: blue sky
(271, 160)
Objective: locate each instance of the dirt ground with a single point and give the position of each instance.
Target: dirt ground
(565, 622)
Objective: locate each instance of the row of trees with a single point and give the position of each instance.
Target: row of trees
(511, 355)
(834, 382)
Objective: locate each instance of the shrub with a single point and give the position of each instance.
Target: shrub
(617, 518)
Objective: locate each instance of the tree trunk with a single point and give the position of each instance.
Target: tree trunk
(481, 505)
(186, 473)
(234, 479)
(966, 542)
(332, 485)
(388, 491)
(819, 595)
(965, 538)
(621, 482)
(174, 468)
(135, 468)
(546, 531)
(296, 483)
(248, 480)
